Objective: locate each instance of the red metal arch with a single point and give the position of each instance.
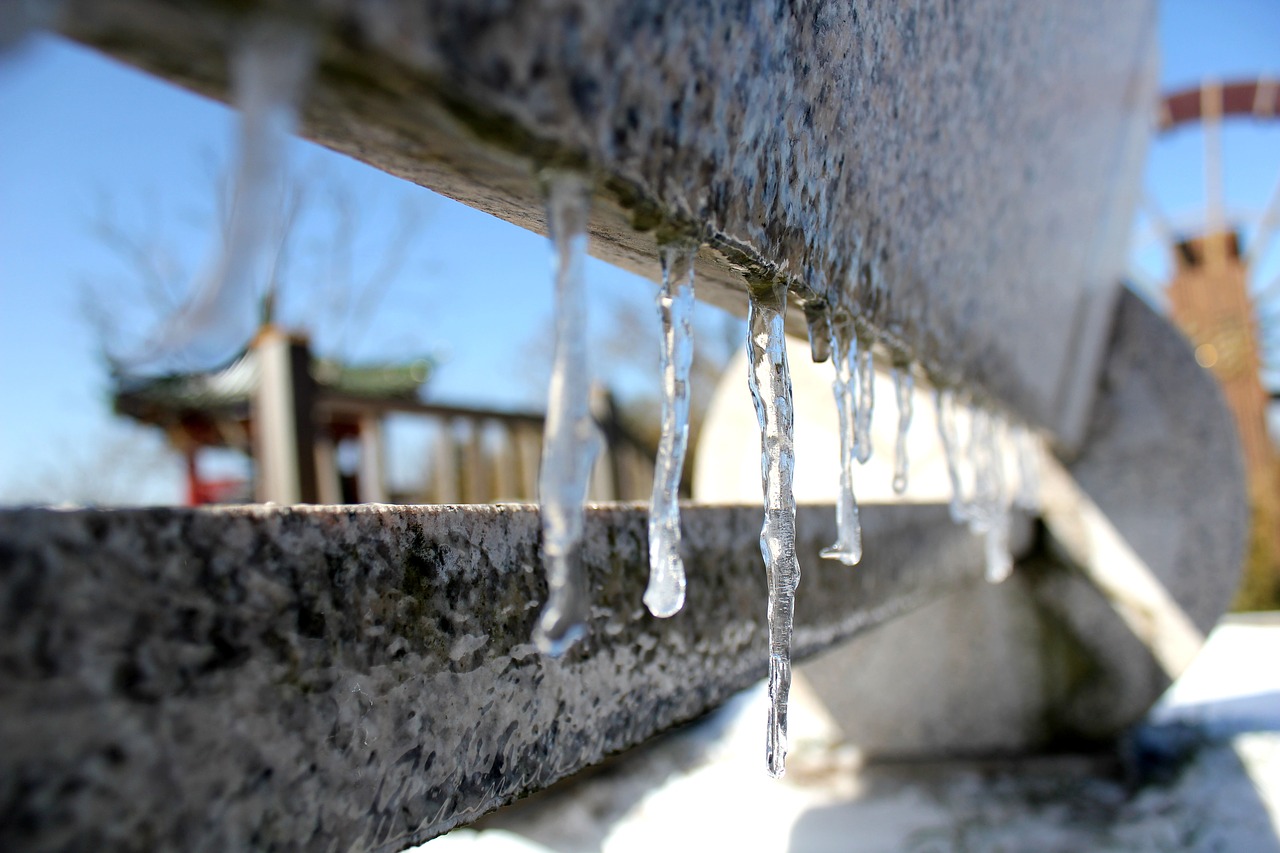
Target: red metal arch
(1258, 98)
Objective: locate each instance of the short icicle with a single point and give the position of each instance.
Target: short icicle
(770, 381)
(944, 406)
(817, 317)
(665, 593)
(999, 560)
(848, 546)
(991, 508)
(571, 440)
(903, 385)
(866, 376)
(979, 502)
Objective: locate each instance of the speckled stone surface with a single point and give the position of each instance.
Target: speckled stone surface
(362, 678)
(965, 173)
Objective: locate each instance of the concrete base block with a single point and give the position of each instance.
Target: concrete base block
(1137, 558)
(1143, 542)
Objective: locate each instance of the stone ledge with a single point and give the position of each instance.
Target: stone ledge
(361, 677)
(968, 177)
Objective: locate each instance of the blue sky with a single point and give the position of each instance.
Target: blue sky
(78, 128)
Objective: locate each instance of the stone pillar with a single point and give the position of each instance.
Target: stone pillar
(528, 447)
(371, 481)
(283, 434)
(506, 465)
(475, 484)
(328, 479)
(444, 479)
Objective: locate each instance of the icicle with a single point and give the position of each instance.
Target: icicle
(571, 439)
(1028, 496)
(976, 503)
(866, 400)
(903, 384)
(770, 382)
(665, 594)
(944, 406)
(848, 546)
(986, 510)
(817, 316)
(269, 73)
(989, 515)
(999, 560)
(974, 508)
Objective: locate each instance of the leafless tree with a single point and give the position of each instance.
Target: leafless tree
(325, 296)
(121, 468)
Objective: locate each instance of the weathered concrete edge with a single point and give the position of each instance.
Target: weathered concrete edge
(361, 678)
(473, 156)
(454, 95)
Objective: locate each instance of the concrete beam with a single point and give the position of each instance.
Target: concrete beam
(361, 678)
(965, 172)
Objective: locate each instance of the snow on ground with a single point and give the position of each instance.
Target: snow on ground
(1203, 773)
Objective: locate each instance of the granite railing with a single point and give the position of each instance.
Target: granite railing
(362, 678)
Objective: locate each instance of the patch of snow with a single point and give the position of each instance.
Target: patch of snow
(702, 787)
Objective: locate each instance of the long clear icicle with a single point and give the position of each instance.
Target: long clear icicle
(903, 385)
(848, 546)
(866, 375)
(770, 382)
(665, 593)
(269, 72)
(571, 439)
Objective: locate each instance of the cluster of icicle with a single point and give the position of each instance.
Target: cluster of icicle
(986, 503)
(981, 494)
(572, 441)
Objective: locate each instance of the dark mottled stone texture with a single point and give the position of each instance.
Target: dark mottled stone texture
(964, 172)
(362, 678)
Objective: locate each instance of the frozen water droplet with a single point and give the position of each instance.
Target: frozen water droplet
(848, 546)
(269, 72)
(866, 400)
(571, 440)
(770, 382)
(903, 384)
(665, 593)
